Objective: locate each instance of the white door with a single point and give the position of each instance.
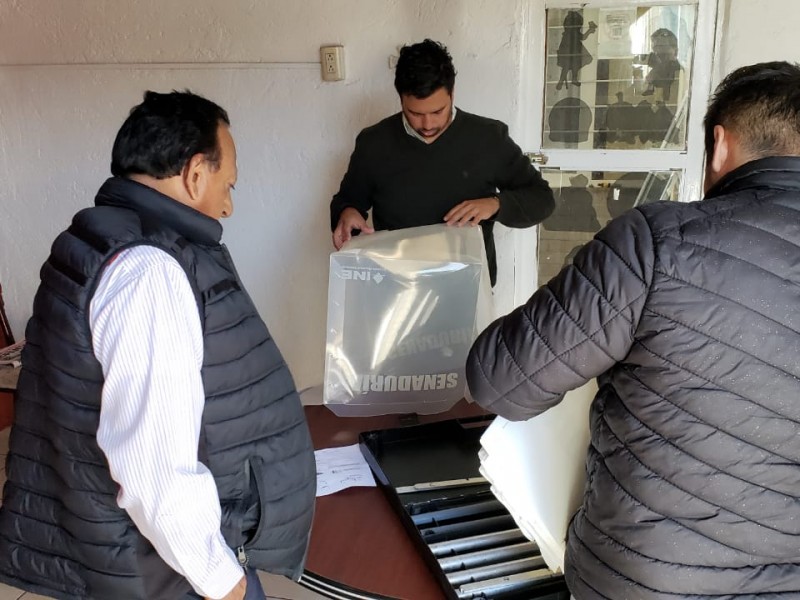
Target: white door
(616, 92)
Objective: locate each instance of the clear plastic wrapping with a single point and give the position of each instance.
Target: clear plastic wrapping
(404, 307)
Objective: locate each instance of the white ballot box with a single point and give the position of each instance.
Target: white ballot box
(404, 307)
(537, 469)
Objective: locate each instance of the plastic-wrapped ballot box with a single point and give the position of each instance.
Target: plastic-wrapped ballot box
(404, 307)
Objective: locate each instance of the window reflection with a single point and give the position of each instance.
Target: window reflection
(586, 201)
(618, 78)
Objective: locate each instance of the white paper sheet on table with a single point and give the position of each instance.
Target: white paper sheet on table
(537, 469)
(341, 468)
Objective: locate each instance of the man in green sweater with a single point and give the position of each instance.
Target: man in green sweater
(431, 163)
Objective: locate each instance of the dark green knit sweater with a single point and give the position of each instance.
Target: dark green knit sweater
(408, 183)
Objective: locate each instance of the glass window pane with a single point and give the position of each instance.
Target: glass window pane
(618, 78)
(586, 201)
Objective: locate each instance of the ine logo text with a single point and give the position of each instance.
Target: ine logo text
(362, 275)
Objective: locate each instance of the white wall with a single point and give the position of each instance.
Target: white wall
(757, 31)
(294, 133)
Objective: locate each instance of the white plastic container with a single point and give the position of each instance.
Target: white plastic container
(537, 469)
(403, 311)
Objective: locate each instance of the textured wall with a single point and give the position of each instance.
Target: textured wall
(756, 31)
(70, 71)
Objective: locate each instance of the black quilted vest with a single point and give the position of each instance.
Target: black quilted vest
(61, 531)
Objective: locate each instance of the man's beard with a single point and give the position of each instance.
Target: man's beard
(435, 132)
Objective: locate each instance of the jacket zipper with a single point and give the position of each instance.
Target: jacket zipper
(241, 555)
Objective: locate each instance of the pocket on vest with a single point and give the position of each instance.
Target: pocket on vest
(255, 527)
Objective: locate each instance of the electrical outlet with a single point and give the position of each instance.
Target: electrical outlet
(332, 61)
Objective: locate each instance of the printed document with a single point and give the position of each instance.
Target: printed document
(341, 468)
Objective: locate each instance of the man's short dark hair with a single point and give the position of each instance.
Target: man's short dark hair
(761, 104)
(423, 68)
(162, 133)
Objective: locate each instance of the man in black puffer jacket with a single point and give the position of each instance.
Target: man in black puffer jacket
(159, 450)
(689, 316)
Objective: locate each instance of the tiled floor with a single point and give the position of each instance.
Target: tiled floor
(277, 588)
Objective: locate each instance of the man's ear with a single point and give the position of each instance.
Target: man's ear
(195, 177)
(719, 159)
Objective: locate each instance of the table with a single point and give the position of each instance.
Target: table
(8, 385)
(357, 540)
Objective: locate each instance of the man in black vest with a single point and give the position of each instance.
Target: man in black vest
(159, 448)
(432, 163)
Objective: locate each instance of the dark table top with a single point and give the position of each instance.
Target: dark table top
(357, 538)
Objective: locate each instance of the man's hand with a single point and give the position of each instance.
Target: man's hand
(349, 220)
(238, 592)
(472, 212)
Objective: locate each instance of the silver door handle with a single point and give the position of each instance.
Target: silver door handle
(537, 158)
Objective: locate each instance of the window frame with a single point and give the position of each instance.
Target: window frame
(532, 114)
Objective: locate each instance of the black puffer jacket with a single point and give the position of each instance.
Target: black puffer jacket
(689, 315)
